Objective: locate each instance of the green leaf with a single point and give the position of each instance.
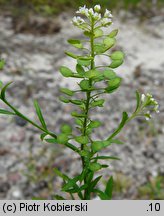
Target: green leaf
(65, 71)
(67, 91)
(70, 184)
(109, 187)
(105, 158)
(109, 42)
(6, 112)
(117, 55)
(72, 55)
(121, 125)
(113, 84)
(94, 124)
(94, 183)
(57, 197)
(3, 91)
(95, 166)
(62, 138)
(64, 100)
(92, 74)
(75, 43)
(51, 140)
(98, 33)
(98, 103)
(87, 33)
(66, 129)
(79, 115)
(84, 61)
(98, 145)
(113, 33)
(116, 63)
(77, 102)
(80, 70)
(61, 175)
(138, 99)
(39, 114)
(109, 74)
(1, 84)
(82, 139)
(85, 85)
(43, 135)
(101, 194)
(2, 64)
(99, 48)
(116, 141)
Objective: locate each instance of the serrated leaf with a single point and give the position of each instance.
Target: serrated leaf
(67, 91)
(6, 112)
(109, 187)
(72, 55)
(113, 33)
(39, 114)
(3, 91)
(75, 43)
(121, 125)
(65, 71)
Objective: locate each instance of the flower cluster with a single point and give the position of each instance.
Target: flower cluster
(93, 14)
(149, 103)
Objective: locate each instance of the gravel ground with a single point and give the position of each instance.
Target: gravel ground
(33, 63)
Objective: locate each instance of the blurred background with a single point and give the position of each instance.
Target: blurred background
(33, 38)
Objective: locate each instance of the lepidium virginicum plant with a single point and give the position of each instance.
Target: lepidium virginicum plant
(94, 81)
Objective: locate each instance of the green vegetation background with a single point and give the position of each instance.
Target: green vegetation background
(53, 7)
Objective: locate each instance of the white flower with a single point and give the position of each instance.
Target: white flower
(142, 97)
(97, 16)
(107, 14)
(97, 8)
(106, 21)
(77, 21)
(83, 10)
(91, 12)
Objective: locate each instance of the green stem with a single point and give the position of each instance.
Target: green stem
(88, 97)
(28, 120)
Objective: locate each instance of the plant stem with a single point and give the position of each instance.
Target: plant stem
(88, 97)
